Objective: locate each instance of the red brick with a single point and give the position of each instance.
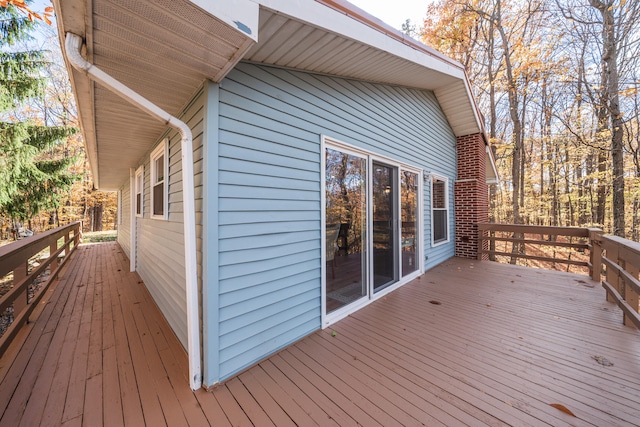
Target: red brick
(470, 197)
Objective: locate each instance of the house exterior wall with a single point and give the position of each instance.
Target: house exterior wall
(271, 121)
(471, 194)
(160, 243)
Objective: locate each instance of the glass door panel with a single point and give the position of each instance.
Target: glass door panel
(409, 217)
(385, 266)
(346, 229)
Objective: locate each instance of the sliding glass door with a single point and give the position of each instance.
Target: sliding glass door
(384, 210)
(345, 229)
(372, 230)
(409, 216)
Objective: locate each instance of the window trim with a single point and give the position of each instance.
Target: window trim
(139, 189)
(432, 177)
(161, 150)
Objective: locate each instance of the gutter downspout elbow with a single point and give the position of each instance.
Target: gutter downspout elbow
(73, 45)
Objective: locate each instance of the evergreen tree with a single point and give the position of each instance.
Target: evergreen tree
(33, 168)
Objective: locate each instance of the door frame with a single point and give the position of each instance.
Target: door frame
(328, 142)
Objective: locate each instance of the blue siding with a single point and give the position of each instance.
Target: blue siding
(160, 243)
(269, 221)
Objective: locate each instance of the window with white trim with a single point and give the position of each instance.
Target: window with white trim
(139, 189)
(159, 187)
(439, 210)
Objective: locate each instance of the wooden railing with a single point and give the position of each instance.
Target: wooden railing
(622, 261)
(539, 239)
(619, 257)
(14, 258)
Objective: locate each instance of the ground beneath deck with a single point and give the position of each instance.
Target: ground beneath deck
(468, 343)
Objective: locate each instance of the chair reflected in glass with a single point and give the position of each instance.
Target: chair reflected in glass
(332, 246)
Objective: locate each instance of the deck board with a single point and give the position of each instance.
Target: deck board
(504, 343)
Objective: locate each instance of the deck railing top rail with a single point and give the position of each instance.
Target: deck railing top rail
(535, 229)
(13, 254)
(15, 257)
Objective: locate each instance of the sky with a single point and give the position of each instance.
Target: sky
(395, 12)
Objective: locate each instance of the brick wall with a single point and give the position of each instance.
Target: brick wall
(471, 194)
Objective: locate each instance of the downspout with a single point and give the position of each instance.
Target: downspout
(73, 44)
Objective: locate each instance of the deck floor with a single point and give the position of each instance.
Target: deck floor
(502, 345)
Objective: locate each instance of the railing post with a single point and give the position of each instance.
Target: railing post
(52, 250)
(66, 240)
(19, 274)
(595, 239)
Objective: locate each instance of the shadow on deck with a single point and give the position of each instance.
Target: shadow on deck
(503, 344)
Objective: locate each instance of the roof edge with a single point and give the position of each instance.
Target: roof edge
(366, 18)
(371, 21)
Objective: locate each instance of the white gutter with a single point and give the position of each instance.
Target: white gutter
(73, 44)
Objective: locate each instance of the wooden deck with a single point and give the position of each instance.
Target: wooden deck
(502, 345)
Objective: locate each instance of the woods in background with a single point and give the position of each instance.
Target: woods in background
(44, 175)
(558, 82)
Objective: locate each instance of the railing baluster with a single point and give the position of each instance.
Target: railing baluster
(595, 257)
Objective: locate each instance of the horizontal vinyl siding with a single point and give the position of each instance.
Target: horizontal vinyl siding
(124, 226)
(160, 260)
(270, 126)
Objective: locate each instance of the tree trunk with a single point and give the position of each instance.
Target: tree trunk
(95, 215)
(602, 187)
(514, 113)
(610, 70)
(636, 220)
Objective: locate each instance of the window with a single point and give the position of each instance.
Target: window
(139, 185)
(439, 210)
(159, 171)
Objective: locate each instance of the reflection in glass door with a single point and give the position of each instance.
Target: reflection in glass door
(346, 228)
(372, 228)
(385, 266)
(409, 218)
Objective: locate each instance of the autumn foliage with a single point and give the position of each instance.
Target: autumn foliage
(45, 179)
(558, 83)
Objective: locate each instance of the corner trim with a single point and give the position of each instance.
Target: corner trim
(210, 247)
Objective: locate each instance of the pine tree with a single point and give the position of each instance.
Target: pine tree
(33, 168)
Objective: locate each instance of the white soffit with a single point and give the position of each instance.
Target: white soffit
(161, 49)
(316, 37)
